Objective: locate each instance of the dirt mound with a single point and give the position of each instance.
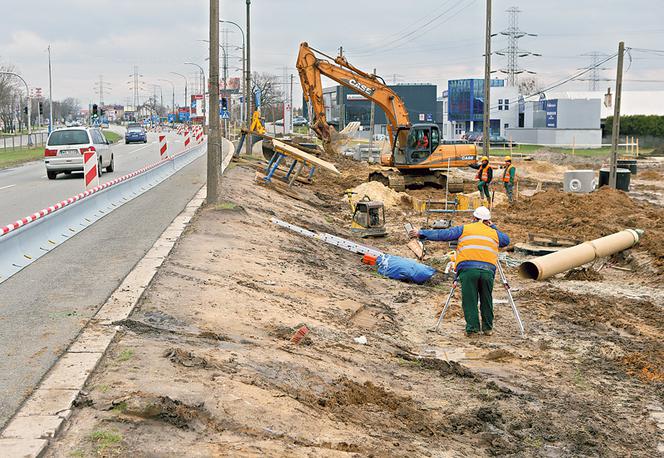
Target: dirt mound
(586, 217)
(583, 274)
(378, 191)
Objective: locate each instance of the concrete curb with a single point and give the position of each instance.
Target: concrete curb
(42, 416)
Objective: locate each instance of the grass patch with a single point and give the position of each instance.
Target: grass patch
(112, 136)
(225, 206)
(120, 408)
(11, 157)
(77, 453)
(103, 388)
(105, 439)
(125, 355)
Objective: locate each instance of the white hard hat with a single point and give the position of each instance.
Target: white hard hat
(482, 213)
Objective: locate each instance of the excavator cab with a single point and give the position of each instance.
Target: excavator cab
(422, 140)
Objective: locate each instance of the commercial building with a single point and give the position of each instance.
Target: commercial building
(343, 105)
(461, 108)
(559, 122)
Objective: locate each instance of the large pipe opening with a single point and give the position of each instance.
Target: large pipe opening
(529, 271)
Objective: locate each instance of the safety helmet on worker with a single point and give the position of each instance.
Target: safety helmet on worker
(482, 213)
(508, 159)
(484, 158)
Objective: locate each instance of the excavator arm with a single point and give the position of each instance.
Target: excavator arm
(310, 68)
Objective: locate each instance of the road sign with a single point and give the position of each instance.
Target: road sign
(171, 117)
(224, 114)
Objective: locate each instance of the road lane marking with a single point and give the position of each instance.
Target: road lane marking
(7, 187)
(138, 149)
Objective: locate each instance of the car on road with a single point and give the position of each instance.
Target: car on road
(136, 134)
(65, 147)
(300, 121)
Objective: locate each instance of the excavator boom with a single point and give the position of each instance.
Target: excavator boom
(310, 68)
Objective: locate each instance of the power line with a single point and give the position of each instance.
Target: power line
(594, 77)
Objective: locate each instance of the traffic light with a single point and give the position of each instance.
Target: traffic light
(95, 109)
(25, 110)
(224, 104)
(41, 108)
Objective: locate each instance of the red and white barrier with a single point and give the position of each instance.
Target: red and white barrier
(187, 139)
(163, 147)
(90, 171)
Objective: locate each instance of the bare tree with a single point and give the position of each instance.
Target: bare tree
(269, 88)
(9, 92)
(529, 86)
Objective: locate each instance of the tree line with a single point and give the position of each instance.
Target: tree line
(14, 101)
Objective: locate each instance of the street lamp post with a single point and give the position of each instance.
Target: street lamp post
(244, 67)
(185, 86)
(27, 94)
(248, 76)
(203, 80)
(173, 86)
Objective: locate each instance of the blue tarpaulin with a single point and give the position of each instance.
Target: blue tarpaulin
(404, 269)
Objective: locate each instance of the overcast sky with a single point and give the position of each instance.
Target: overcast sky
(417, 41)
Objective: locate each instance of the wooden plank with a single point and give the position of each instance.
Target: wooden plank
(299, 155)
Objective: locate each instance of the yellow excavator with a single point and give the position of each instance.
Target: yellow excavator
(418, 155)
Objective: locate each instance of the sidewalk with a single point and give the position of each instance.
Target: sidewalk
(205, 366)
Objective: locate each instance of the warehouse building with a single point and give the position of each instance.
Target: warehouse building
(343, 105)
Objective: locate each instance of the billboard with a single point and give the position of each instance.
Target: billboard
(196, 105)
(551, 113)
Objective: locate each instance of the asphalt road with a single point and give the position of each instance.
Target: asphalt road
(44, 307)
(25, 189)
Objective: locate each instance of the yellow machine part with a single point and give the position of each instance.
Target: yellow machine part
(256, 125)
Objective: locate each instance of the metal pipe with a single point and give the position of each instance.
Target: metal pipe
(563, 260)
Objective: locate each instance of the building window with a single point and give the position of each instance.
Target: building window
(507, 125)
(500, 104)
(458, 128)
(506, 104)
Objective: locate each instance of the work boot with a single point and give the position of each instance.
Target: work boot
(472, 333)
(488, 332)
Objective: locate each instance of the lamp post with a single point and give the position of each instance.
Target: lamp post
(203, 87)
(244, 67)
(173, 86)
(185, 86)
(27, 94)
(248, 76)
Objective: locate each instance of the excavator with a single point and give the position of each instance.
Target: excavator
(417, 157)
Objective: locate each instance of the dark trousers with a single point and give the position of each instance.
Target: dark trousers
(477, 283)
(483, 187)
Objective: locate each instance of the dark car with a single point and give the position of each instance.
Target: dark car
(473, 137)
(136, 134)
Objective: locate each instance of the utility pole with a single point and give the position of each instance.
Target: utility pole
(250, 110)
(615, 133)
(372, 125)
(487, 82)
(214, 147)
(50, 93)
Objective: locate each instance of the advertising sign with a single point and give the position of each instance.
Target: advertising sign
(196, 105)
(552, 113)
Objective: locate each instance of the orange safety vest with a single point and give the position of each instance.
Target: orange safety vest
(483, 173)
(506, 174)
(478, 242)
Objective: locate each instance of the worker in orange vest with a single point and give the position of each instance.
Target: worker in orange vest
(484, 177)
(476, 260)
(509, 178)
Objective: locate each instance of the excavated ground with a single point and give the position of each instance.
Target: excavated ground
(205, 366)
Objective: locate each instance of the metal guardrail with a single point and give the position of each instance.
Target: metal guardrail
(21, 141)
(30, 238)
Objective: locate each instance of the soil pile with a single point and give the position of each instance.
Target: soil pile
(378, 191)
(586, 217)
(650, 175)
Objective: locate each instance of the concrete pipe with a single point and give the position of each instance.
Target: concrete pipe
(569, 258)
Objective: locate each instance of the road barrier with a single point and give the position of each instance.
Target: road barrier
(30, 238)
(90, 172)
(163, 147)
(187, 138)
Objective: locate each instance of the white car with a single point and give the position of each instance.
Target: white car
(65, 147)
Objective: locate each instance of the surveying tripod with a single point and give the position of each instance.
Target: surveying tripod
(503, 278)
